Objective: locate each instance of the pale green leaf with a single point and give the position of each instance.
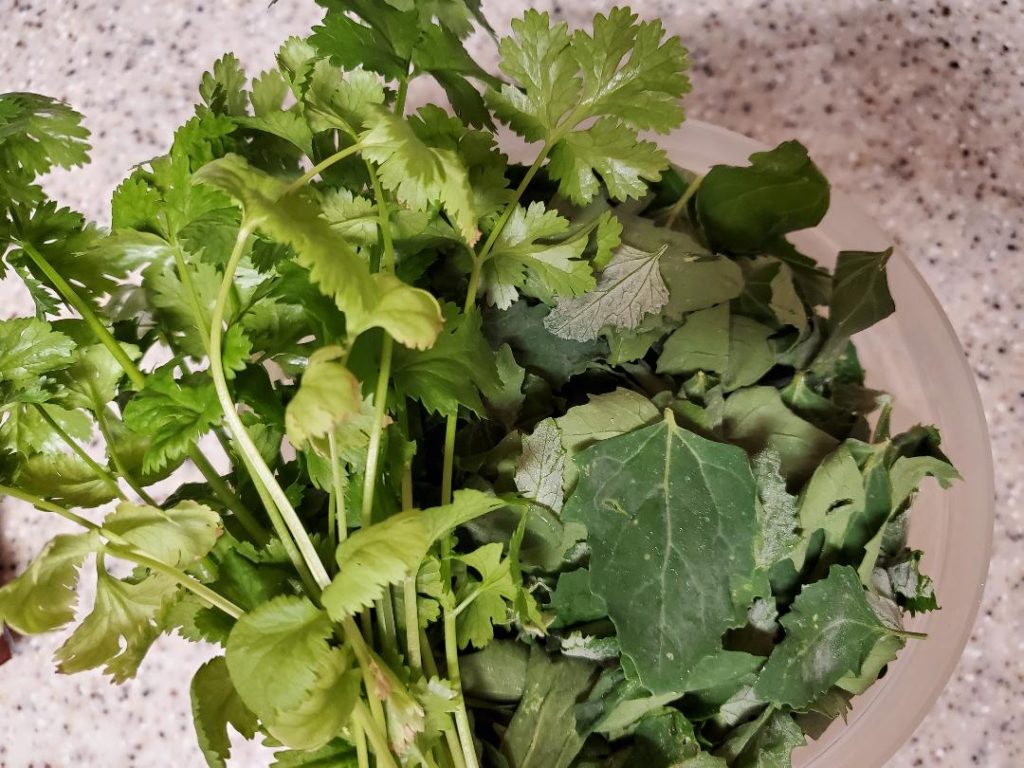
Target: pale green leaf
(215, 705)
(328, 396)
(535, 254)
(121, 627)
(541, 467)
(277, 653)
(43, 597)
(178, 536)
(630, 288)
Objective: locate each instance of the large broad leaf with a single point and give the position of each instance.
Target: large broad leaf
(830, 632)
(43, 597)
(630, 288)
(669, 515)
(767, 742)
(719, 341)
(215, 705)
(744, 209)
(178, 536)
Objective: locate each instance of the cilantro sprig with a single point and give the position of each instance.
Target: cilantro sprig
(533, 465)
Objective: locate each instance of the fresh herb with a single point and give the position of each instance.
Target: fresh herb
(550, 465)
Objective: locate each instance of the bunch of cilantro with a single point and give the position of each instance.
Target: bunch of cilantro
(538, 465)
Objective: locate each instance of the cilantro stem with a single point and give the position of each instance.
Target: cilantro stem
(377, 740)
(115, 456)
(413, 651)
(48, 506)
(377, 429)
(320, 167)
(126, 551)
(680, 205)
(261, 473)
(337, 524)
(403, 91)
(192, 585)
(448, 468)
(82, 307)
(227, 497)
(359, 736)
(137, 378)
(104, 476)
(455, 678)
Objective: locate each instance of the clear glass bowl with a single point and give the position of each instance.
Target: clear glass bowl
(915, 355)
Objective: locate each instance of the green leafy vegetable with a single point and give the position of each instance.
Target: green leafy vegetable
(563, 461)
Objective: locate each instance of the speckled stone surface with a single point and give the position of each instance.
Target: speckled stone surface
(914, 108)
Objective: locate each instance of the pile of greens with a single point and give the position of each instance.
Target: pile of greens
(563, 463)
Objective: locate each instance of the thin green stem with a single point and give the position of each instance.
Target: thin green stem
(377, 430)
(262, 474)
(362, 756)
(137, 378)
(680, 205)
(455, 678)
(403, 91)
(195, 587)
(115, 456)
(104, 476)
(458, 760)
(48, 506)
(202, 322)
(320, 167)
(413, 652)
(376, 738)
(352, 635)
(337, 524)
(83, 308)
(227, 497)
(448, 467)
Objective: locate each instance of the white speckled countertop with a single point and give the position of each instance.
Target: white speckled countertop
(914, 108)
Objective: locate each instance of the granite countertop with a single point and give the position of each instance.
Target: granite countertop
(916, 109)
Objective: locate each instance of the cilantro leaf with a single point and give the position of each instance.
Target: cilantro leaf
(327, 396)
(623, 73)
(453, 372)
(174, 414)
(43, 597)
(485, 597)
(63, 478)
(38, 133)
(276, 654)
(215, 705)
(179, 536)
(630, 287)
(531, 254)
(30, 348)
(121, 627)
(418, 173)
